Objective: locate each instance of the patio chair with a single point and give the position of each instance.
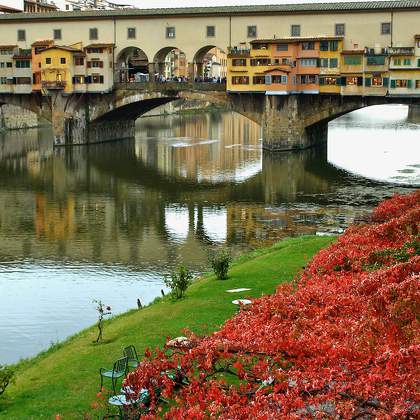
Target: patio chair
(119, 370)
(131, 354)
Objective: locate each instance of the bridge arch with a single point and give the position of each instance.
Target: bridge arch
(210, 61)
(170, 62)
(131, 61)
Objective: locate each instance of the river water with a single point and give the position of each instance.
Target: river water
(109, 221)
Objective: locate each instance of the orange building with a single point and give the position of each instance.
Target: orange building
(277, 66)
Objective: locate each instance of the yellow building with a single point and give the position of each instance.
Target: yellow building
(57, 67)
(352, 72)
(404, 71)
(330, 65)
(376, 72)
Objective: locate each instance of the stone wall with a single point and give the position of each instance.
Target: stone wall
(15, 118)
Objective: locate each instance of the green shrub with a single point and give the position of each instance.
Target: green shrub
(220, 262)
(7, 375)
(179, 281)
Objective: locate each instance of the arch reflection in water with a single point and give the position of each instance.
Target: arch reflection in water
(208, 148)
(379, 142)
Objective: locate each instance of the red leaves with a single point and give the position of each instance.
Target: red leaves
(342, 343)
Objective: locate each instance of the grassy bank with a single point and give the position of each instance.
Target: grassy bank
(65, 379)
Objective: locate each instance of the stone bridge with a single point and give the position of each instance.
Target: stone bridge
(288, 122)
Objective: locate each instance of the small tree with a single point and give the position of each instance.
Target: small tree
(220, 262)
(6, 377)
(103, 311)
(179, 281)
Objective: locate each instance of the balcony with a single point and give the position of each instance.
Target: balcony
(239, 52)
(401, 50)
(57, 85)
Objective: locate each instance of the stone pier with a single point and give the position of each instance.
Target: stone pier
(285, 124)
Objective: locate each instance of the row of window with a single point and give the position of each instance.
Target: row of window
(375, 81)
(93, 34)
(295, 30)
(78, 61)
(94, 78)
(20, 64)
(405, 62)
(349, 60)
(16, 81)
(340, 29)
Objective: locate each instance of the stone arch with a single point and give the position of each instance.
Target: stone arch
(132, 64)
(210, 61)
(170, 62)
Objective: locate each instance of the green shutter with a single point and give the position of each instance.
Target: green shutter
(409, 84)
(268, 79)
(385, 81)
(321, 81)
(418, 62)
(368, 82)
(343, 81)
(333, 63)
(393, 84)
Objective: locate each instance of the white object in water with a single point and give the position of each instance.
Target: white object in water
(243, 289)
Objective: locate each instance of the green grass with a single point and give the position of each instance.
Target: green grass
(65, 378)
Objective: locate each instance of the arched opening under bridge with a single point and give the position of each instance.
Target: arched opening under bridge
(170, 64)
(132, 65)
(210, 63)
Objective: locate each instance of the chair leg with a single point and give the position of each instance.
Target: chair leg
(114, 383)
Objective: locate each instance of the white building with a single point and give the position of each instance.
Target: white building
(71, 5)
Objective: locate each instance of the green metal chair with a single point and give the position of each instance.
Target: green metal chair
(119, 370)
(131, 354)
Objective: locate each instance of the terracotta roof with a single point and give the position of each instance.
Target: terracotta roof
(362, 6)
(297, 39)
(100, 46)
(64, 48)
(42, 42)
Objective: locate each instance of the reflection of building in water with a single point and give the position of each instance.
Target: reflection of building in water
(54, 220)
(205, 223)
(209, 150)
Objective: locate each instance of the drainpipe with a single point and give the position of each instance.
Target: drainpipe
(392, 28)
(113, 52)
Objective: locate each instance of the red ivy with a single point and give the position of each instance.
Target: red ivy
(343, 342)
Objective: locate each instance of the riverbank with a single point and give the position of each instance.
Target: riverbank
(64, 380)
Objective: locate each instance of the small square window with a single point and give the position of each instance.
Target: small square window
(93, 34)
(170, 32)
(57, 33)
(252, 31)
(295, 30)
(340, 29)
(131, 33)
(21, 35)
(385, 28)
(48, 60)
(211, 31)
(62, 60)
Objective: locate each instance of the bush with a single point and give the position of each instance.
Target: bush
(220, 263)
(179, 281)
(6, 377)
